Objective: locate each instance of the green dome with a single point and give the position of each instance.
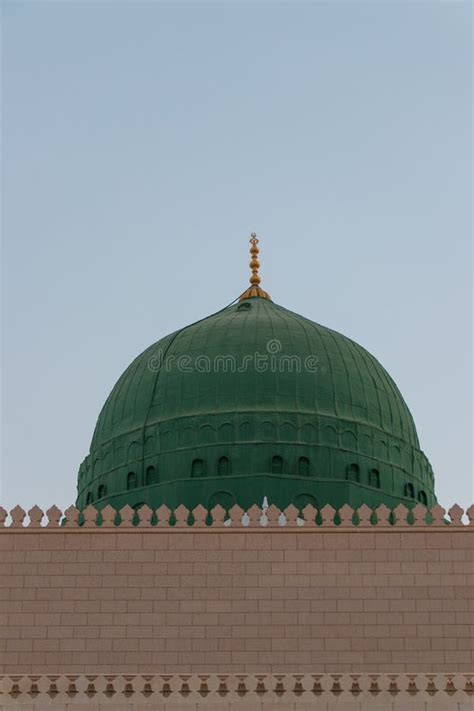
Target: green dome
(255, 401)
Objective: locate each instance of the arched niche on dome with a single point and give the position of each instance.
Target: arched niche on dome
(226, 499)
(223, 466)
(349, 440)
(187, 436)
(119, 454)
(198, 468)
(381, 450)
(331, 435)
(324, 464)
(245, 431)
(168, 440)
(406, 458)
(308, 433)
(134, 451)
(395, 454)
(288, 431)
(268, 431)
(304, 467)
(422, 498)
(138, 505)
(302, 500)
(365, 444)
(132, 481)
(226, 432)
(207, 434)
(374, 478)
(417, 464)
(150, 445)
(277, 464)
(353, 472)
(96, 467)
(107, 462)
(151, 475)
(427, 471)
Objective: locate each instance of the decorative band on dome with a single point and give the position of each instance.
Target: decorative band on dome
(254, 289)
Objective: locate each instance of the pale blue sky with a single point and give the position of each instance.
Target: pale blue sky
(143, 141)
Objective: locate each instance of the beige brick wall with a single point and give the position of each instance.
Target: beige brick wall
(114, 601)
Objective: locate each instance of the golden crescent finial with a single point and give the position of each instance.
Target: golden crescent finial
(254, 289)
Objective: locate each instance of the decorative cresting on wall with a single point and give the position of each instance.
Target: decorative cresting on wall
(255, 517)
(252, 691)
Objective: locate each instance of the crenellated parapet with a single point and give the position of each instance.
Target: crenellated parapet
(255, 517)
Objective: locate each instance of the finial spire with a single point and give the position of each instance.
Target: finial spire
(254, 263)
(254, 289)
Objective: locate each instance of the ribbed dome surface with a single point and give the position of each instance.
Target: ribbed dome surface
(255, 400)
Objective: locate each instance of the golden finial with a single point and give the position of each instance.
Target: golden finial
(254, 289)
